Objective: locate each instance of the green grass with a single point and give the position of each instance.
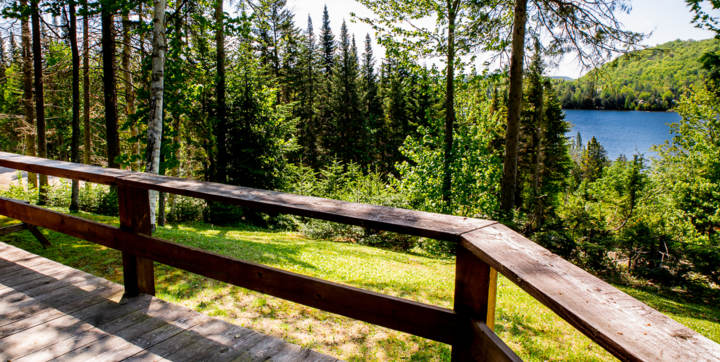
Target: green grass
(529, 328)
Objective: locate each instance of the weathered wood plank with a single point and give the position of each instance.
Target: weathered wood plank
(11, 229)
(105, 330)
(38, 235)
(138, 272)
(419, 223)
(115, 347)
(176, 318)
(168, 319)
(66, 327)
(400, 314)
(67, 296)
(89, 336)
(487, 346)
(413, 222)
(474, 291)
(63, 169)
(618, 322)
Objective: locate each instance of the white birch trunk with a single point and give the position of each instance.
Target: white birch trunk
(155, 124)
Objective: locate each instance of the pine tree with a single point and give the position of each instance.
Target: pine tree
(347, 131)
(308, 79)
(556, 161)
(371, 105)
(396, 112)
(327, 41)
(326, 121)
(594, 160)
(529, 142)
(277, 42)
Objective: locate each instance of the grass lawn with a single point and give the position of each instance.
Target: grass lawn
(530, 329)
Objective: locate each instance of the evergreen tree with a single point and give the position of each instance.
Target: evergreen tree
(556, 161)
(308, 129)
(594, 160)
(327, 41)
(544, 160)
(348, 131)
(396, 113)
(277, 43)
(326, 121)
(371, 105)
(529, 141)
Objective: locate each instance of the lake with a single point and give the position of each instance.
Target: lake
(622, 132)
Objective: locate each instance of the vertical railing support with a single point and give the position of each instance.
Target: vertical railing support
(475, 286)
(138, 273)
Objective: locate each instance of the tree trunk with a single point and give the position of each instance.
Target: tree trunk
(449, 109)
(509, 180)
(161, 209)
(109, 84)
(221, 126)
(537, 172)
(75, 143)
(155, 124)
(39, 99)
(86, 83)
(129, 90)
(28, 92)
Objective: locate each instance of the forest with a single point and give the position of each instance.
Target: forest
(652, 79)
(236, 92)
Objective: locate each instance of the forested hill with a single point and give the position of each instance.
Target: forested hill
(649, 79)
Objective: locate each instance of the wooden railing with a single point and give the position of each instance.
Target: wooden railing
(627, 328)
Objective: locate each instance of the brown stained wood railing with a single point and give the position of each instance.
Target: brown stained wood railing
(621, 324)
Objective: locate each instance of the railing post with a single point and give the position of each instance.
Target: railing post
(138, 273)
(475, 285)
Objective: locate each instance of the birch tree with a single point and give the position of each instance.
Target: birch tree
(75, 143)
(39, 95)
(155, 124)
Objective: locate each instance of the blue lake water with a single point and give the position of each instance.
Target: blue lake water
(622, 132)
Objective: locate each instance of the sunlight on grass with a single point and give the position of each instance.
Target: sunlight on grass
(528, 327)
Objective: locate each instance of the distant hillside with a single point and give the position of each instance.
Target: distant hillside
(648, 79)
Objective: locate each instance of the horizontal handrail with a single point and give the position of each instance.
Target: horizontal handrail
(621, 324)
(439, 226)
(401, 314)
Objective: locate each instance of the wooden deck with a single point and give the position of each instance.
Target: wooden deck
(49, 311)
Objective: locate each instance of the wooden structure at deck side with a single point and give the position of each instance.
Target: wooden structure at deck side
(49, 311)
(624, 326)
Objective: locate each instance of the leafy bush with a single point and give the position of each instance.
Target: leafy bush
(184, 208)
(98, 199)
(348, 183)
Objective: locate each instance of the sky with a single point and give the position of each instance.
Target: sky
(664, 20)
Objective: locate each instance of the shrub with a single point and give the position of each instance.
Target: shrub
(348, 183)
(184, 208)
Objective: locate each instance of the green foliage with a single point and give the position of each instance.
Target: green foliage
(476, 169)
(347, 182)
(594, 160)
(651, 79)
(543, 161)
(688, 172)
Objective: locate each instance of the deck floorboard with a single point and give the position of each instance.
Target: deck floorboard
(49, 311)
